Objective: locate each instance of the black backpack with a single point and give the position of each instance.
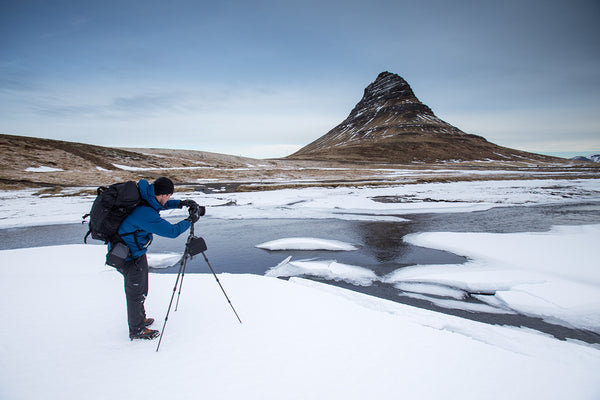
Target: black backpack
(112, 205)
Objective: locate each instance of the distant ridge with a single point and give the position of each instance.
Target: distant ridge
(36, 161)
(593, 158)
(390, 125)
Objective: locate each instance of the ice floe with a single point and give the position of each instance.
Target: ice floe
(163, 260)
(326, 269)
(305, 243)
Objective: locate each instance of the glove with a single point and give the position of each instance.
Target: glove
(194, 216)
(191, 204)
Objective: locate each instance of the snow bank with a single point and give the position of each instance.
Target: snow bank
(306, 244)
(64, 336)
(553, 274)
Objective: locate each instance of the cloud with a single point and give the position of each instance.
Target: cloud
(548, 130)
(251, 120)
(134, 106)
(15, 78)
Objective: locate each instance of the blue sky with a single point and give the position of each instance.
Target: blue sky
(263, 78)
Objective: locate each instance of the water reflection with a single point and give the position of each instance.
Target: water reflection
(384, 239)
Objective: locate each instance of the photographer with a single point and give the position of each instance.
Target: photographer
(136, 232)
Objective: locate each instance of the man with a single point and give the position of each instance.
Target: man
(136, 231)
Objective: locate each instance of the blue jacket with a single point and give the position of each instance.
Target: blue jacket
(145, 220)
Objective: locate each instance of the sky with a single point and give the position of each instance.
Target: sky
(264, 78)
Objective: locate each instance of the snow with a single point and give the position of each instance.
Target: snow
(553, 274)
(361, 204)
(163, 260)
(65, 336)
(331, 270)
(460, 305)
(306, 244)
(358, 203)
(43, 169)
(432, 289)
(138, 169)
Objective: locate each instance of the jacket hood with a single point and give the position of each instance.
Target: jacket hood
(147, 193)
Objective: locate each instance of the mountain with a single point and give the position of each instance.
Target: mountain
(390, 125)
(592, 158)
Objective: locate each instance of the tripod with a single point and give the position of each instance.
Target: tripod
(194, 246)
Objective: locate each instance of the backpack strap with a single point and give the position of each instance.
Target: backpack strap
(119, 236)
(135, 238)
(89, 230)
(86, 235)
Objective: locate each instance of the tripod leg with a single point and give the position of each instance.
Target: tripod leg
(180, 285)
(221, 286)
(181, 269)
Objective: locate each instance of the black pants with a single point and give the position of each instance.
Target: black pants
(135, 274)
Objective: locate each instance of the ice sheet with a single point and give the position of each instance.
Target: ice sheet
(555, 274)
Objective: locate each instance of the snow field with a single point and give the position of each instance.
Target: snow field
(24, 208)
(65, 337)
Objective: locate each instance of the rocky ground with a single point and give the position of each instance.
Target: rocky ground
(50, 164)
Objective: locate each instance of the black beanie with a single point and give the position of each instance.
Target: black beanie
(163, 186)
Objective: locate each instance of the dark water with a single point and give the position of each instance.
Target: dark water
(231, 243)
(231, 248)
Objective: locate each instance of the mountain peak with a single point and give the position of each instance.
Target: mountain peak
(389, 93)
(389, 124)
(388, 89)
(388, 85)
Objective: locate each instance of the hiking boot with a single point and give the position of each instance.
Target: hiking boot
(148, 322)
(148, 334)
